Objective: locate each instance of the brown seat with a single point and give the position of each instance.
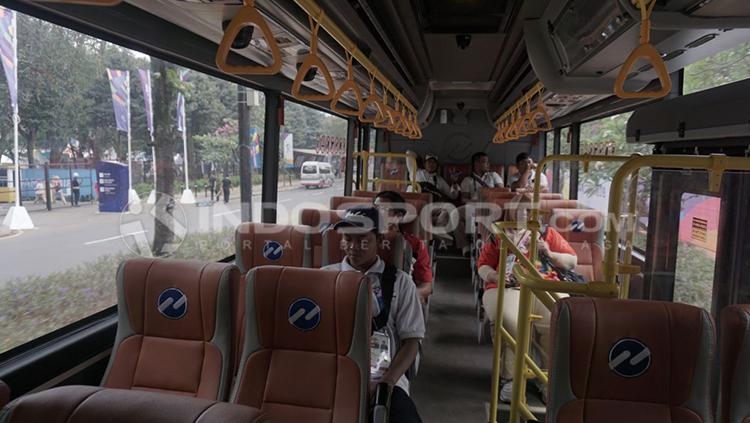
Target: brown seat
(412, 221)
(424, 196)
(258, 244)
(343, 203)
(630, 361)
(174, 327)
(735, 375)
(86, 404)
(318, 221)
(583, 229)
(393, 250)
(307, 345)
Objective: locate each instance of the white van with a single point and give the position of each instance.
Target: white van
(316, 174)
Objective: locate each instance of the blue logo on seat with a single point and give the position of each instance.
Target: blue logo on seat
(273, 250)
(629, 357)
(577, 226)
(172, 303)
(304, 314)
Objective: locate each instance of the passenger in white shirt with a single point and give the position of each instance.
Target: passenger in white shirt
(525, 178)
(404, 327)
(480, 177)
(430, 175)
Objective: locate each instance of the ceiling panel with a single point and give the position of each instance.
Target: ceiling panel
(475, 63)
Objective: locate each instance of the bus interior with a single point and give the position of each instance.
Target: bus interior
(197, 296)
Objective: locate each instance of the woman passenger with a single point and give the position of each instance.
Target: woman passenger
(560, 254)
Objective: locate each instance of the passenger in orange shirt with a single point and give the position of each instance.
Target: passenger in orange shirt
(392, 204)
(560, 254)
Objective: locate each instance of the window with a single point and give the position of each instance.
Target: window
(606, 136)
(720, 69)
(65, 270)
(309, 169)
(565, 166)
(309, 135)
(550, 150)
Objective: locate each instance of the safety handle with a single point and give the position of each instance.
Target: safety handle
(348, 85)
(246, 16)
(646, 51)
(386, 117)
(372, 100)
(85, 2)
(313, 60)
(540, 110)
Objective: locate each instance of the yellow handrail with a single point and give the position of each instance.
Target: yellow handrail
(411, 160)
(644, 50)
(348, 85)
(246, 16)
(311, 60)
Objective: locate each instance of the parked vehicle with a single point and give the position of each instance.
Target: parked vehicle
(316, 174)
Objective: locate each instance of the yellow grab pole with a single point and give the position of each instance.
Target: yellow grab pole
(494, 391)
(631, 226)
(365, 171)
(716, 164)
(522, 349)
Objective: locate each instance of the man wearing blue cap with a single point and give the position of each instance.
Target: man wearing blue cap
(398, 323)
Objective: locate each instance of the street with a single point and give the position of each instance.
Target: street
(67, 236)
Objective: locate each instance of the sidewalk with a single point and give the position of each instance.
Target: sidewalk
(35, 208)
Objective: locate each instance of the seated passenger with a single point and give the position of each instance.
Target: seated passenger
(433, 183)
(398, 325)
(553, 248)
(525, 178)
(391, 204)
(481, 177)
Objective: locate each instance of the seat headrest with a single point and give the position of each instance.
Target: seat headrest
(259, 244)
(579, 225)
(304, 309)
(616, 354)
(175, 299)
(343, 203)
(84, 404)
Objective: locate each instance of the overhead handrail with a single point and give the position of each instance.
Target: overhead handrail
(645, 50)
(246, 16)
(386, 120)
(348, 85)
(311, 60)
(372, 99)
(521, 118)
(540, 110)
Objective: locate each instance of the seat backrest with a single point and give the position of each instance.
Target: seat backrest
(174, 327)
(318, 221)
(258, 244)
(487, 194)
(424, 196)
(735, 358)
(85, 404)
(461, 169)
(343, 203)
(547, 204)
(584, 231)
(392, 249)
(630, 361)
(307, 345)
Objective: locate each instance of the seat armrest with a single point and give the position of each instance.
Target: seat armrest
(382, 403)
(4, 394)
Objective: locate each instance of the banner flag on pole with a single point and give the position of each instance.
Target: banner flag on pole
(145, 76)
(8, 52)
(181, 104)
(255, 147)
(119, 83)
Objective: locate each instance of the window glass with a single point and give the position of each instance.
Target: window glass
(722, 68)
(309, 169)
(74, 172)
(550, 150)
(565, 166)
(606, 136)
(309, 135)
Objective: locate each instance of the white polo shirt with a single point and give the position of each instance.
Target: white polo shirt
(471, 186)
(542, 179)
(405, 319)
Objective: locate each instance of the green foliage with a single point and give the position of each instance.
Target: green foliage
(694, 275)
(33, 306)
(722, 68)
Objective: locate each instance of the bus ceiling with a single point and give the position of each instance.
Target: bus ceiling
(438, 54)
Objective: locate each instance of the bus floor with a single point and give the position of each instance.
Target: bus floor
(453, 384)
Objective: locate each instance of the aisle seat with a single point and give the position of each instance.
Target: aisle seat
(86, 404)
(584, 231)
(306, 356)
(624, 361)
(735, 358)
(174, 327)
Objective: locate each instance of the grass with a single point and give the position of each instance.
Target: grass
(36, 305)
